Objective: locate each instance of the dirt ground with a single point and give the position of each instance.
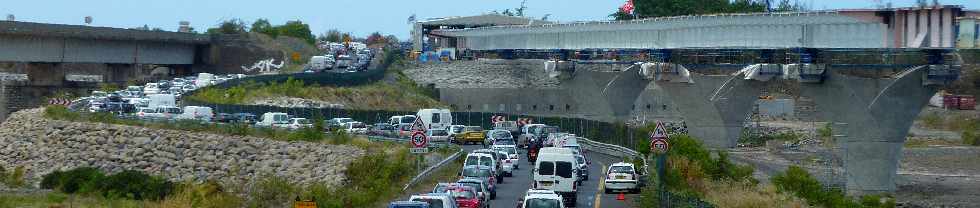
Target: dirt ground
(936, 169)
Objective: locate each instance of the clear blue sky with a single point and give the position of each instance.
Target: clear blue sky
(361, 17)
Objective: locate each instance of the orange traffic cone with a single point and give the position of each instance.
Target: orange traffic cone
(621, 197)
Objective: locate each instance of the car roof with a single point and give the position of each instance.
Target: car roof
(476, 166)
(553, 196)
(622, 164)
(432, 195)
(469, 180)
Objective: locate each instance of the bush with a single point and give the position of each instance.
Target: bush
(970, 137)
(84, 180)
(272, 191)
(801, 184)
(208, 195)
(128, 184)
(61, 113)
(136, 185)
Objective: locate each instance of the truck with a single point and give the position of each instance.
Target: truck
(435, 118)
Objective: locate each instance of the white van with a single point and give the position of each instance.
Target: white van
(161, 100)
(273, 119)
(320, 63)
(435, 118)
(556, 169)
(204, 80)
(201, 113)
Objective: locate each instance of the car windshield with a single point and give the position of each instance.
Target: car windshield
(304, 121)
(457, 129)
(473, 128)
(472, 172)
(563, 169)
(433, 203)
(463, 193)
(484, 172)
(172, 110)
(581, 160)
(486, 161)
(621, 169)
(472, 160)
(541, 203)
(510, 151)
(358, 125)
(345, 120)
(504, 142)
(440, 133)
(408, 119)
(501, 134)
(475, 185)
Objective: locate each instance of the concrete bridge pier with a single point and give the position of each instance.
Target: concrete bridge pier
(714, 107)
(874, 116)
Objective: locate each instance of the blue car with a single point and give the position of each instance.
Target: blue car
(408, 204)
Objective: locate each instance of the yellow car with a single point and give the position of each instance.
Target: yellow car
(474, 134)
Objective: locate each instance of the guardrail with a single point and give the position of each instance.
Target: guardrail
(612, 150)
(429, 170)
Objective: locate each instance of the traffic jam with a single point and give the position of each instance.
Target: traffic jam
(558, 164)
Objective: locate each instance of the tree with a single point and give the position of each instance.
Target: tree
(233, 26)
(787, 6)
(263, 26)
(297, 29)
(666, 8)
(332, 35)
(375, 38)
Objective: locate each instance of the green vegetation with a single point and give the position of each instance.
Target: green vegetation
(309, 134)
(13, 179)
(665, 8)
(799, 182)
(760, 140)
(967, 125)
(690, 167)
(295, 28)
(402, 96)
(127, 184)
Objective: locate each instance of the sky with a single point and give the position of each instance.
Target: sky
(360, 17)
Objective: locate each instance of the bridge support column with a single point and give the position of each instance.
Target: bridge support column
(873, 117)
(714, 107)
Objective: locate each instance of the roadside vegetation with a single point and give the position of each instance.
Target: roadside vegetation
(968, 126)
(396, 92)
(696, 173)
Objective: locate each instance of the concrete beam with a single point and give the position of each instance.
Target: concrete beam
(877, 114)
(714, 106)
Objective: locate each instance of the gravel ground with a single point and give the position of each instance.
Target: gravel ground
(484, 74)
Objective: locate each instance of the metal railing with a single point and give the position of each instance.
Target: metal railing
(430, 169)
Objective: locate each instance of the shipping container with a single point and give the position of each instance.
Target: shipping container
(967, 102)
(951, 101)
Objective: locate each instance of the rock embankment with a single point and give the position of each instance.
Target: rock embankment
(291, 102)
(484, 73)
(44, 145)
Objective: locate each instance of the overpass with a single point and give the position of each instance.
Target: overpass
(870, 75)
(55, 43)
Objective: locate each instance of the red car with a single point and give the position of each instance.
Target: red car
(466, 197)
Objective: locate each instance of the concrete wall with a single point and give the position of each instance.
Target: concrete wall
(52, 49)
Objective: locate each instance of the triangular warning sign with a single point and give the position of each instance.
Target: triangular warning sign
(418, 125)
(660, 132)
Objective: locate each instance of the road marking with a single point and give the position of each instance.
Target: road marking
(601, 190)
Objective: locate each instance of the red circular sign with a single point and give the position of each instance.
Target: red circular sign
(419, 139)
(659, 145)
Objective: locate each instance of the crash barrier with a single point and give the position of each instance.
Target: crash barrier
(430, 169)
(375, 138)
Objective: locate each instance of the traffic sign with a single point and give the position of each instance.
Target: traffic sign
(419, 139)
(497, 118)
(419, 125)
(659, 131)
(659, 146)
(420, 150)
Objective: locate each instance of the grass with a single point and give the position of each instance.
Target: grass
(926, 142)
(733, 194)
(12, 178)
(800, 183)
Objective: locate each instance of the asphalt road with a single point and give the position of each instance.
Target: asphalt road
(590, 192)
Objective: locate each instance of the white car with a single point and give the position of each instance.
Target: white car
(299, 123)
(438, 135)
(443, 200)
(537, 198)
(355, 127)
(151, 88)
(509, 164)
(621, 177)
(148, 113)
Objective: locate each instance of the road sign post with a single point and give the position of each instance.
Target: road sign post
(659, 146)
(420, 142)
